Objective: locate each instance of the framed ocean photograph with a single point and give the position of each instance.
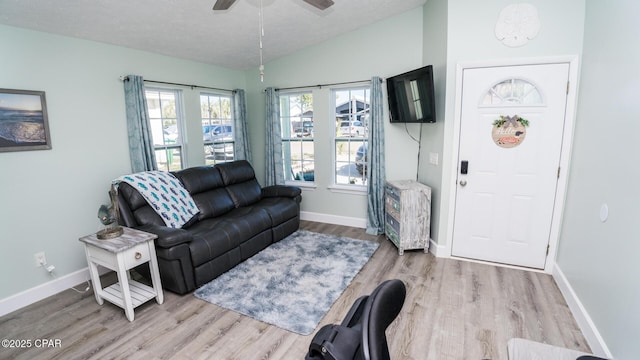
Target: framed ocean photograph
(23, 121)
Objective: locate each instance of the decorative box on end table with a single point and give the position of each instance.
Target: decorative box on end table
(408, 214)
(132, 248)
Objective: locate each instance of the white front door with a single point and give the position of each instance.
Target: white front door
(511, 131)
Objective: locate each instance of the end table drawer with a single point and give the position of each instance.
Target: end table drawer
(133, 257)
(136, 256)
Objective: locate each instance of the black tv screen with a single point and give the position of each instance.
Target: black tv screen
(411, 97)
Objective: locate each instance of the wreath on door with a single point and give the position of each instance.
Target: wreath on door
(509, 131)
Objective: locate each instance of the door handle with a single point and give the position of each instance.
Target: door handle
(463, 182)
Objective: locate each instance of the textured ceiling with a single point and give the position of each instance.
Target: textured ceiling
(190, 29)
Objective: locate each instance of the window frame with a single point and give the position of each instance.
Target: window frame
(223, 122)
(335, 139)
(287, 163)
(179, 118)
(488, 99)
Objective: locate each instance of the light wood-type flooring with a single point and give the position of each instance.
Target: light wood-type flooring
(454, 310)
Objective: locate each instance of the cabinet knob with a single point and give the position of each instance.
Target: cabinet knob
(138, 256)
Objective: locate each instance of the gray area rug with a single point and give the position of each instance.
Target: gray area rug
(292, 283)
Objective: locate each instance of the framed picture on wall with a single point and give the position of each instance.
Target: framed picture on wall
(23, 121)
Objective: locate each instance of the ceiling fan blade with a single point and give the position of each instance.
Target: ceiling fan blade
(223, 4)
(320, 4)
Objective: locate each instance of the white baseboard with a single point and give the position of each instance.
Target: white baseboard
(437, 250)
(333, 219)
(588, 328)
(434, 248)
(42, 291)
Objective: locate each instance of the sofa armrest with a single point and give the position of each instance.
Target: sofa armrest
(167, 237)
(281, 191)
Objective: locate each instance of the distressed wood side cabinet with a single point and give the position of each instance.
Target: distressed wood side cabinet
(408, 214)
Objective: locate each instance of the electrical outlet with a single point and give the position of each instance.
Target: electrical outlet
(40, 259)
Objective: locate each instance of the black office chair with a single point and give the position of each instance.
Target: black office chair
(361, 335)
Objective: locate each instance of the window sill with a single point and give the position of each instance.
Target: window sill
(348, 189)
(302, 185)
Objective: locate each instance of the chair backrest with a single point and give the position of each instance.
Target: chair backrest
(361, 335)
(382, 307)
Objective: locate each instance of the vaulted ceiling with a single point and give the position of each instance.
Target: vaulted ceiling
(190, 29)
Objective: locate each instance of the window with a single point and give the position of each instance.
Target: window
(351, 135)
(165, 116)
(217, 128)
(513, 92)
(296, 122)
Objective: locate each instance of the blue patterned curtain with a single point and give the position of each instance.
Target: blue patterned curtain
(376, 175)
(274, 173)
(241, 148)
(141, 149)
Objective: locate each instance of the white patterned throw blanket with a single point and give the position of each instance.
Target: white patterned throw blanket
(166, 195)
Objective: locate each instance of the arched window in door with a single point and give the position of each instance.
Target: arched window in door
(512, 92)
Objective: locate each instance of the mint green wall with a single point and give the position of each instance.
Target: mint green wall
(471, 37)
(600, 259)
(384, 49)
(50, 198)
(434, 53)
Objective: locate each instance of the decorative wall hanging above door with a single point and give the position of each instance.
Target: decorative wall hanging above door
(517, 24)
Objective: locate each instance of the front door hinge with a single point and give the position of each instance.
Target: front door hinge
(558, 175)
(568, 87)
(548, 249)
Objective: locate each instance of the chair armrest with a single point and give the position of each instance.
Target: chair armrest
(281, 191)
(168, 237)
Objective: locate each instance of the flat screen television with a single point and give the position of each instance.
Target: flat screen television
(411, 98)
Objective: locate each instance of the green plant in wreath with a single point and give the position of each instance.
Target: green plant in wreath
(510, 120)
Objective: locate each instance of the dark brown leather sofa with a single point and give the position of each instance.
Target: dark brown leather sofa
(237, 219)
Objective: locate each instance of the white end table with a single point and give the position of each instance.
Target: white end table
(132, 248)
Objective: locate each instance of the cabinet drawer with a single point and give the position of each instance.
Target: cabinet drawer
(136, 256)
(393, 223)
(392, 204)
(392, 234)
(392, 192)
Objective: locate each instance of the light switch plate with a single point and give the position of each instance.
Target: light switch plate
(433, 158)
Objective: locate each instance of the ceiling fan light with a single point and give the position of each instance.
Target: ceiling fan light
(223, 4)
(320, 4)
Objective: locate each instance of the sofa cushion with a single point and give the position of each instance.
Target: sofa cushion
(207, 189)
(235, 172)
(216, 236)
(279, 209)
(200, 178)
(137, 207)
(212, 238)
(240, 180)
(245, 194)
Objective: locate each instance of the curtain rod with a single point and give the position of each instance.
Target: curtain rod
(126, 78)
(321, 85)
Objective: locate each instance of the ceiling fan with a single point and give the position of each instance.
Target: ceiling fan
(320, 4)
